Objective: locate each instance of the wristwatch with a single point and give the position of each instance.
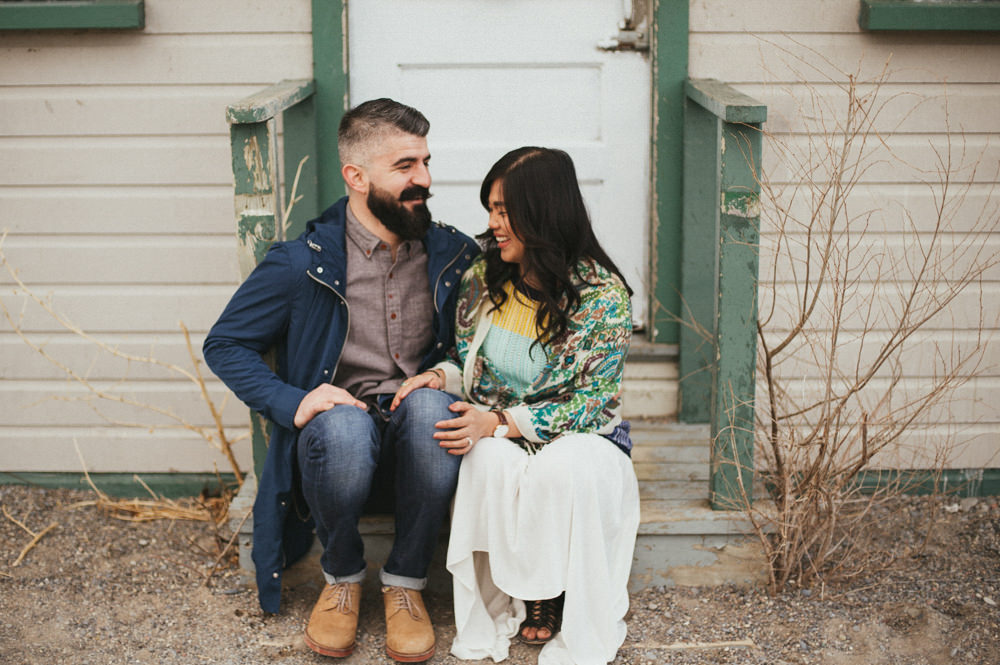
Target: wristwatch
(502, 428)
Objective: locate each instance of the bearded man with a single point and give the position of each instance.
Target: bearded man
(364, 298)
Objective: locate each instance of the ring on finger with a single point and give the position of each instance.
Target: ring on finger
(470, 441)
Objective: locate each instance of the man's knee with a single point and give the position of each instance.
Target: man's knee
(341, 426)
(423, 408)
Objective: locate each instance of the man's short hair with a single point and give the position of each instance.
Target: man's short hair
(366, 125)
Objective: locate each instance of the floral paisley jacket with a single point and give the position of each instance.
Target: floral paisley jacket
(578, 390)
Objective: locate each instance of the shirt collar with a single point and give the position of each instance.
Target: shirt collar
(367, 241)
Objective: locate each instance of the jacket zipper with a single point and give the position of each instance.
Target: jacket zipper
(440, 275)
(346, 333)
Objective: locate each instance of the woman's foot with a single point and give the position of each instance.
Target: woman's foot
(543, 620)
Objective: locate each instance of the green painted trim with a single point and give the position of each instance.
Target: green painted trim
(300, 142)
(957, 482)
(924, 15)
(670, 70)
(270, 101)
(72, 15)
(699, 263)
(125, 485)
(329, 28)
(718, 350)
(725, 102)
(736, 331)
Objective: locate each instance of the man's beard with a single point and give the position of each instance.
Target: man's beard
(395, 216)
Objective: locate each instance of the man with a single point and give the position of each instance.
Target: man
(365, 298)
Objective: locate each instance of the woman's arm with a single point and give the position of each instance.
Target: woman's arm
(588, 373)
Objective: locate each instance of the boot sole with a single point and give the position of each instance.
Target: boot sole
(327, 651)
(409, 657)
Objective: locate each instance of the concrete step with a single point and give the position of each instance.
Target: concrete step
(681, 540)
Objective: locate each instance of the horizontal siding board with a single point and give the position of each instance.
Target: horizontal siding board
(82, 59)
(920, 355)
(963, 312)
(966, 404)
(906, 158)
(62, 403)
(227, 16)
(118, 110)
(747, 58)
(127, 309)
(875, 255)
(122, 260)
(115, 161)
(902, 205)
(150, 209)
(87, 359)
(112, 449)
(764, 16)
(967, 446)
(908, 108)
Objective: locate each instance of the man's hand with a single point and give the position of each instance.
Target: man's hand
(432, 378)
(323, 398)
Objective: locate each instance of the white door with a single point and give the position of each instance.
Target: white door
(494, 75)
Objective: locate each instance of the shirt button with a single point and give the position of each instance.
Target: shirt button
(319, 269)
(396, 356)
(326, 372)
(383, 246)
(392, 316)
(447, 283)
(440, 344)
(275, 575)
(390, 275)
(336, 282)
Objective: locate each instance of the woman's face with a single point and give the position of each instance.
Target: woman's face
(511, 247)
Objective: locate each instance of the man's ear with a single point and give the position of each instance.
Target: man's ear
(355, 178)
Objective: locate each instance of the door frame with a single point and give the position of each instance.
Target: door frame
(669, 72)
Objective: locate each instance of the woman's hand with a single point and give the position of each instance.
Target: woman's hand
(432, 378)
(463, 432)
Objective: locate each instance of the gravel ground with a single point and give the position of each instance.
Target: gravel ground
(102, 591)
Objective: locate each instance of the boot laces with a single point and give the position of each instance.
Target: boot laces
(402, 601)
(339, 597)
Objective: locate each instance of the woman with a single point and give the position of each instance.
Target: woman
(547, 505)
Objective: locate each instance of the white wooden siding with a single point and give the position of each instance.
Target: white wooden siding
(116, 193)
(786, 53)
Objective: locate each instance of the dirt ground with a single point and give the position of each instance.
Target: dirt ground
(96, 590)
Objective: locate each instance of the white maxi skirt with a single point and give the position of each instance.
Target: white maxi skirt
(528, 527)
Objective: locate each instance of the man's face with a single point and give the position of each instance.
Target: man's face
(399, 186)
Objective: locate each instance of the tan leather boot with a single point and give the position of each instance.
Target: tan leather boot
(333, 623)
(409, 635)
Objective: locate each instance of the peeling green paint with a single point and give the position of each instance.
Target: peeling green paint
(741, 204)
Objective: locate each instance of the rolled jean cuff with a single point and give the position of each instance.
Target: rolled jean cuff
(356, 578)
(415, 583)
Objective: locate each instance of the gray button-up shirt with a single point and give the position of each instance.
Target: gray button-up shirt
(391, 313)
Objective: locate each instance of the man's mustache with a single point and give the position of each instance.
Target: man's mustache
(415, 193)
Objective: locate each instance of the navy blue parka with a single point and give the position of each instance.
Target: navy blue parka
(294, 303)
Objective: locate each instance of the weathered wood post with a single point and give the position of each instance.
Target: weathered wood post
(718, 348)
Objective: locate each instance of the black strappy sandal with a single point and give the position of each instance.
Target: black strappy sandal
(542, 614)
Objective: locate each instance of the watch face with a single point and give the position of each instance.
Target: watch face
(501, 431)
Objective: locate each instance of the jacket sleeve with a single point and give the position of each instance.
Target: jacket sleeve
(252, 323)
(592, 360)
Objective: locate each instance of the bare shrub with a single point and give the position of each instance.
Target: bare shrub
(859, 306)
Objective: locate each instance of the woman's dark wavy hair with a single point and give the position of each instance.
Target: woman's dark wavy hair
(546, 212)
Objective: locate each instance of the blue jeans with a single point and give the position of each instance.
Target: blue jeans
(351, 458)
